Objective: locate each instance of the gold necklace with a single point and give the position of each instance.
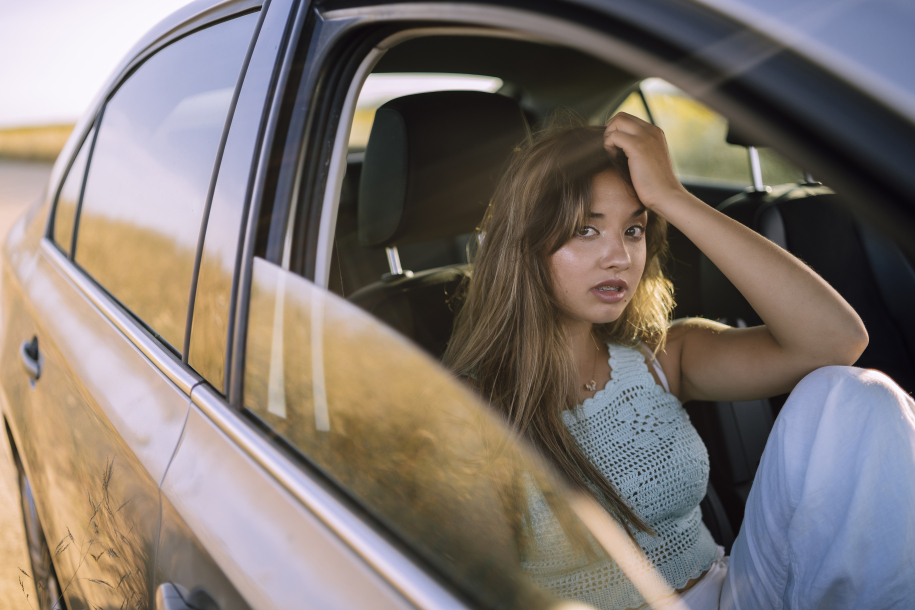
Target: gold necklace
(591, 386)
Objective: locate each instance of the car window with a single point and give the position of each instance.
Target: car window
(635, 105)
(68, 198)
(696, 137)
(343, 378)
(398, 434)
(150, 171)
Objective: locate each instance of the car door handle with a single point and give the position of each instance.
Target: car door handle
(170, 596)
(30, 358)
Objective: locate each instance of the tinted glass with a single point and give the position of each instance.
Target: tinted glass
(634, 105)
(778, 170)
(403, 438)
(696, 139)
(150, 172)
(68, 199)
(695, 136)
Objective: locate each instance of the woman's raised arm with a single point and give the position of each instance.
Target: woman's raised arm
(807, 323)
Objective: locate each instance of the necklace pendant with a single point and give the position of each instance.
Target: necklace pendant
(591, 386)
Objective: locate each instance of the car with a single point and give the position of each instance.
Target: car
(223, 322)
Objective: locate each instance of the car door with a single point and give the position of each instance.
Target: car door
(235, 530)
(107, 300)
(328, 463)
(187, 561)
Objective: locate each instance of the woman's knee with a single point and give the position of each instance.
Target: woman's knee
(848, 392)
(840, 413)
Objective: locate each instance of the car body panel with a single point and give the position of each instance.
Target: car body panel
(267, 543)
(96, 434)
(840, 37)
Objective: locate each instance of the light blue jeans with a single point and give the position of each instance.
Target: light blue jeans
(830, 521)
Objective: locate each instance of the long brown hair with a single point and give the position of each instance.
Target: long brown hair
(508, 338)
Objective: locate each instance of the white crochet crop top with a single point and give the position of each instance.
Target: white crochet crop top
(641, 439)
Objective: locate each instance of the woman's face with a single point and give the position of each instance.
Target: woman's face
(596, 272)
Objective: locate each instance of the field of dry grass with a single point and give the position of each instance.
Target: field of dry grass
(42, 143)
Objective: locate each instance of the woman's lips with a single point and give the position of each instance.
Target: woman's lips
(610, 291)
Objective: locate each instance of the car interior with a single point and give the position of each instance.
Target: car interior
(416, 189)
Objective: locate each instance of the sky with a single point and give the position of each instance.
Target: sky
(56, 54)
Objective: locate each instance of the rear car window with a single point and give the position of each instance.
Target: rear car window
(150, 171)
(696, 137)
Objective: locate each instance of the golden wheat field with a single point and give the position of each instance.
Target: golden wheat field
(41, 143)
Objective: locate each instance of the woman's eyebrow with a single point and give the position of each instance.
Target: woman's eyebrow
(638, 212)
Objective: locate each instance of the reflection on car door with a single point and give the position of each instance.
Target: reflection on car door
(109, 312)
(190, 556)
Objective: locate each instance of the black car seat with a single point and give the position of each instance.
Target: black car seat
(429, 171)
(869, 271)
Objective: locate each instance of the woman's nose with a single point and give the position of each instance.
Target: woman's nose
(615, 254)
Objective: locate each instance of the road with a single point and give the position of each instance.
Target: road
(21, 183)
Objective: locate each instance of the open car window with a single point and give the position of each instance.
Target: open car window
(343, 376)
(346, 370)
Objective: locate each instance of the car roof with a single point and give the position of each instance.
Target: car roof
(866, 42)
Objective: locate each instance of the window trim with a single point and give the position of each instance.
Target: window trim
(178, 373)
(77, 149)
(82, 187)
(214, 176)
(331, 506)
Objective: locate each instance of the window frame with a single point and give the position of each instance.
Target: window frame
(91, 128)
(313, 113)
(308, 109)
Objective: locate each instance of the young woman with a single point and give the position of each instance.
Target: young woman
(565, 330)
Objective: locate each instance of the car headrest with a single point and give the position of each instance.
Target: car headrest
(740, 138)
(432, 163)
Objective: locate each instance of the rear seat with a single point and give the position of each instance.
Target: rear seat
(870, 272)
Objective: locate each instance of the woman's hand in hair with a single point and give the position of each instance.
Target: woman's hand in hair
(649, 160)
(807, 324)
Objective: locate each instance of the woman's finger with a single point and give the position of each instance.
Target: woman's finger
(625, 116)
(627, 122)
(627, 142)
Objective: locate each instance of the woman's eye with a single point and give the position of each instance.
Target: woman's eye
(635, 231)
(586, 231)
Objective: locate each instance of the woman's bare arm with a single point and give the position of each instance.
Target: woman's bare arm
(807, 323)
